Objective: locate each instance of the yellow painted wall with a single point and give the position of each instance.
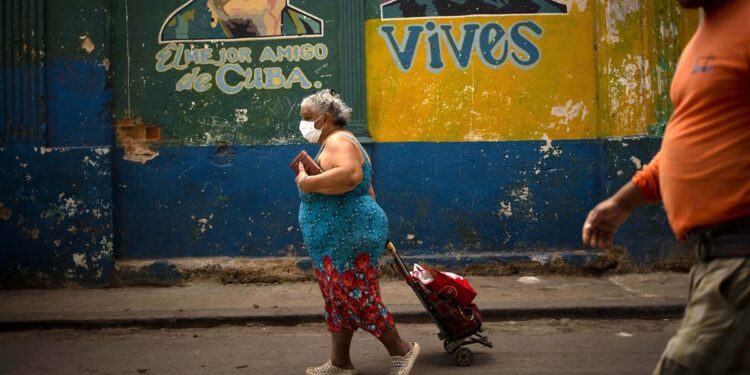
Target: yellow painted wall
(598, 75)
(639, 44)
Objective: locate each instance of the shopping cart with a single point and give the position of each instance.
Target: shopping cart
(459, 325)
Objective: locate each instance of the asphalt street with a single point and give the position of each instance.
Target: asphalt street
(523, 347)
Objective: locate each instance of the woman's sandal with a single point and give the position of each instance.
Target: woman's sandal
(403, 365)
(329, 369)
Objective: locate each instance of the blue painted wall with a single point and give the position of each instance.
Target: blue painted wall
(56, 223)
(59, 228)
(441, 198)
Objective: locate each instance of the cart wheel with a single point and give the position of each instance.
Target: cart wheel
(463, 357)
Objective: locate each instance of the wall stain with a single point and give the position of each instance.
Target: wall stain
(5, 212)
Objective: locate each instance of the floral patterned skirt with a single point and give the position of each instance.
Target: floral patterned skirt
(352, 297)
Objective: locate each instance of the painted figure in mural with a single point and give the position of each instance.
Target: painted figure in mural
(238, 19)
(345, 230)
(435, 8)
(702, 175)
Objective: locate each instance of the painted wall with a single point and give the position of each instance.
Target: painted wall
(494, 130)
(200, 85)
(56, 222)
(482, 77)
(575, 76)
(592, 70)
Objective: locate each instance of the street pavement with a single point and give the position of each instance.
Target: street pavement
(650, 295)
(545, 346)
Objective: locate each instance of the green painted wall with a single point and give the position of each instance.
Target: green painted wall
(188, 100)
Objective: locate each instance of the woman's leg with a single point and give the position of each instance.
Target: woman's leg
(340, 344)
(393, 342)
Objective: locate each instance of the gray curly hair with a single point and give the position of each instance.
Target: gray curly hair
(328, 101)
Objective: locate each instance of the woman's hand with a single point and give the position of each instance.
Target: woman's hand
(301, 175)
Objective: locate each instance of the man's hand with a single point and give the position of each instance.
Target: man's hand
(603, 221)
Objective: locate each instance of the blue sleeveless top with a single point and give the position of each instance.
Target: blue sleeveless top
(345, 225)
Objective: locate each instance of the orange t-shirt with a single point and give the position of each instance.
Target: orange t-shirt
(702, 172)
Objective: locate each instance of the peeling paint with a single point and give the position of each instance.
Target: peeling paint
(636, 162)
(64, 209)
(570, 111)
(87, 160)
(617, 12)
(203, 224)
(505, 209)
(43, 150)
(101, 151)
(631, 89)
(522, 193)
(240, 115)
(87, 45)
(70, 206)
(548, 145)
(105, 250)
(548, 149)
(80, 260)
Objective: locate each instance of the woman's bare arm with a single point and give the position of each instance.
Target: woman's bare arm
(343, 169)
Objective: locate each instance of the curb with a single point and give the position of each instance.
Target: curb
(666, 311)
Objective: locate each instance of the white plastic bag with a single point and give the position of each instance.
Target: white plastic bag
(424, 276)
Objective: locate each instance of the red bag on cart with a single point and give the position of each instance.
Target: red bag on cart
(451, 286)
(447, 285)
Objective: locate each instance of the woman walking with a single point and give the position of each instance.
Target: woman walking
(345, 231)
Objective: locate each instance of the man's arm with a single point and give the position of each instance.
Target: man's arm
(604, 219)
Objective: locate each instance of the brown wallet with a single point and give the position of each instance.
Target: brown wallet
(311, 167)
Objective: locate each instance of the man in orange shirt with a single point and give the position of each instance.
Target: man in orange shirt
(702, 175)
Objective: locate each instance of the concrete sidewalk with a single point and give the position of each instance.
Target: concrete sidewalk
(653, 295)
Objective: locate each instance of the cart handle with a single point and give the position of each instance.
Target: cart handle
(397, 258)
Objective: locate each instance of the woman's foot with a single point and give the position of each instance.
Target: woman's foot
(403, 365)
(329, 369)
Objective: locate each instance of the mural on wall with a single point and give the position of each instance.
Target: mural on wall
(481, 70)
(229, 76)
(215, 20)
(238, 20)
(440, 8)
(185, 59)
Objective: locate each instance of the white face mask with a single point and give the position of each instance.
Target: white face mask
(307, 128)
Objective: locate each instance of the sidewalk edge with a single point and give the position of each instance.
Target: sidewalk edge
(665, 311)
